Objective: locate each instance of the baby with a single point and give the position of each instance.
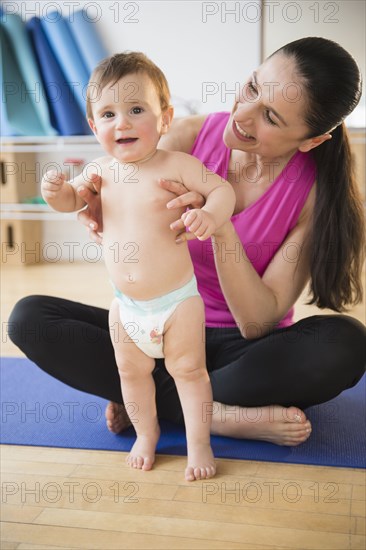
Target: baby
(157, 310)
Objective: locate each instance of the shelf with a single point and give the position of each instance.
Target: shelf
(41, 212)
(44, 144)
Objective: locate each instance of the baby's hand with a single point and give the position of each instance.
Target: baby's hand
(52, 183)
(200, 223)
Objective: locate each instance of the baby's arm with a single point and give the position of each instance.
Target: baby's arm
(219, 194)
(60, 194)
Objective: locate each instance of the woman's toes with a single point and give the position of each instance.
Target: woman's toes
(116, 417)
(294, 414)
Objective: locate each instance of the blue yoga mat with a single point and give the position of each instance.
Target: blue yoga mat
(65, 50)
(86, 37)
(5, 46)
(26, 106)
(66, 114)
(38, 410)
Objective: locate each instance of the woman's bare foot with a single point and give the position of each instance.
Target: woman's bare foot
(201, 462)
(116, 417)
(280, 425)
(142, 454)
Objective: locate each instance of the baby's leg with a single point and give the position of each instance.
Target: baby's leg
(138, 391)
(184, 351)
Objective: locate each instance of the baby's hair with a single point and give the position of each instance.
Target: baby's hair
(112, 69)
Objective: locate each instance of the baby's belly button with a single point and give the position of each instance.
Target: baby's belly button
(131, 278)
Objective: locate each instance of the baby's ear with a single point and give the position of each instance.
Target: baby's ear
(167, 118)
(92, 125)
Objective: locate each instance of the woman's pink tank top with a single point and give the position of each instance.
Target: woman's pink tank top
(262, 226)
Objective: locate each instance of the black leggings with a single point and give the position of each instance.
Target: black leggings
(306, 364)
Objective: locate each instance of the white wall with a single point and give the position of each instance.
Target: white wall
(343, 21)
(205, 49)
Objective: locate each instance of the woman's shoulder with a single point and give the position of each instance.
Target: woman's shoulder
(182, 133)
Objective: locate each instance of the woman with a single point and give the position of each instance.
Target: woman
(284, 149)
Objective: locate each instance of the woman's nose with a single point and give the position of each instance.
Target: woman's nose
(245, 112)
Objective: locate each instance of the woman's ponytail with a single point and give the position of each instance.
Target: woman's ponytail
(338, 232)
(332, 87)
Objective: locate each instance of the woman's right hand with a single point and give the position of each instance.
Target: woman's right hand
(190, 199)
(91, 216)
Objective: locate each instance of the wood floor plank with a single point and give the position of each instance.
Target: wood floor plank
(9, 545)
(268, 501)
(325, 474)
(357, 542)
(19, 513)
(203, 530)
(114, 540)
(217, 513)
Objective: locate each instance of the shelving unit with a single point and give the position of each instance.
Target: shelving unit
(358, 148)
(21, 173)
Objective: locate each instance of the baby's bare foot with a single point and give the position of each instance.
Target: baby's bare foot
(280, 425)
(201, 462)
(116, 417)
(142, 454)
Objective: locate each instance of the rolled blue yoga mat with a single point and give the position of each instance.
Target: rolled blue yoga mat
(66, 114)
(67, 54)
(5, 128)
(87, 39)
(25, 105)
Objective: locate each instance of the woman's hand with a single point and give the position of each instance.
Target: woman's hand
(184, 198)
(91, 216)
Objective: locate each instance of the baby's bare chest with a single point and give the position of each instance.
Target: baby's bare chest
(132, 195)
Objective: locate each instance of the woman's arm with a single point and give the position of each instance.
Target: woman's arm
(258, 304)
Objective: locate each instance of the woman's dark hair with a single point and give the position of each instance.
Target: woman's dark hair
(332, 84)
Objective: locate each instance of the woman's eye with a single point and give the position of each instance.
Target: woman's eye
(253, 90)
(269, 119)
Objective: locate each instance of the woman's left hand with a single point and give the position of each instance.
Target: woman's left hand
(190, 199)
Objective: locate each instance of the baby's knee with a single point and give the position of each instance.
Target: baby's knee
(131, 369)
(186, 368)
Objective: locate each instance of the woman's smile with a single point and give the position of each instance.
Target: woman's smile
(244, 136)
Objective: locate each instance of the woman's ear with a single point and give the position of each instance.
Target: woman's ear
(311, 143)
(167, 118)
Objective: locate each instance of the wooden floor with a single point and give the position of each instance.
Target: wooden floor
(67, 498)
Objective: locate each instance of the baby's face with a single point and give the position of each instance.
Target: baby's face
(128, 120)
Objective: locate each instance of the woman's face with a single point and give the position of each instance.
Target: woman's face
(267, 118)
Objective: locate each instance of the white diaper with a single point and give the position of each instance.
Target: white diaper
(144, 321)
